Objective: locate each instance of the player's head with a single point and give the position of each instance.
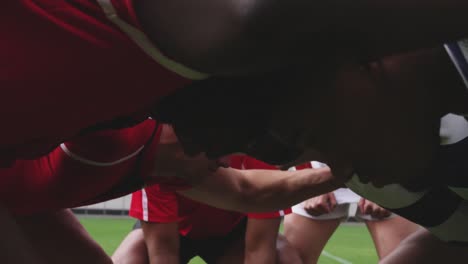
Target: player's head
(224, 116)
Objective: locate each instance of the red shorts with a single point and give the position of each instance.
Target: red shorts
(196, 220)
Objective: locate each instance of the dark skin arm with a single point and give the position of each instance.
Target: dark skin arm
(232, 37)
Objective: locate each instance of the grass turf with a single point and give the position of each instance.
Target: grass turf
(350, 243)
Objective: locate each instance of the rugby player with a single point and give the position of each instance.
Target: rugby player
(80, 53)
(175, 229)
(89, 36)
(110, 163)
(314, 221)
(105, 41)
(380, 120)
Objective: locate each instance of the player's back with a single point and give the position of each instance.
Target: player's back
(67, 65)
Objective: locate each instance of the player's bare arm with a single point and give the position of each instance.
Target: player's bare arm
(261, 190)
(237, 190)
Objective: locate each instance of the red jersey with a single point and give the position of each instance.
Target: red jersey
(67, 65)
(93, 168)
(309, 165)
(196, 220)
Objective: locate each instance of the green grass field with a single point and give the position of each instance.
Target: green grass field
(350, 244)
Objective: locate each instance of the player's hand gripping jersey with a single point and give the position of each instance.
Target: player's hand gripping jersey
(68, 65)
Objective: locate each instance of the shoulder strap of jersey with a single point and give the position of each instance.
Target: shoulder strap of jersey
(458, 52)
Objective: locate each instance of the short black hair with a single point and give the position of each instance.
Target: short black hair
(220, 101)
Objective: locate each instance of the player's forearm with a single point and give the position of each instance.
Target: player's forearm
(261, 190)
(284, 191)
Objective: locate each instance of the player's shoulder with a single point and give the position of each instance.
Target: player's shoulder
(110, 146)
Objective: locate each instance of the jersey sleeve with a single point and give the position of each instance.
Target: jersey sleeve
(152, 204)
(92, 168)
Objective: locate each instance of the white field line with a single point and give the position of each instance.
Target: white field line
(337, 259)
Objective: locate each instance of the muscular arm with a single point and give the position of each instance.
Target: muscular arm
(260, 240)
(260, 190)
(250, 35)
(231, 189)
(162, 242)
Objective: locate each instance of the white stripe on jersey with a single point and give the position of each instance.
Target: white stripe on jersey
(144, 205)
(456, 63)
(147, 46)
(454, 228)
(392, 196)
(97, 163)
